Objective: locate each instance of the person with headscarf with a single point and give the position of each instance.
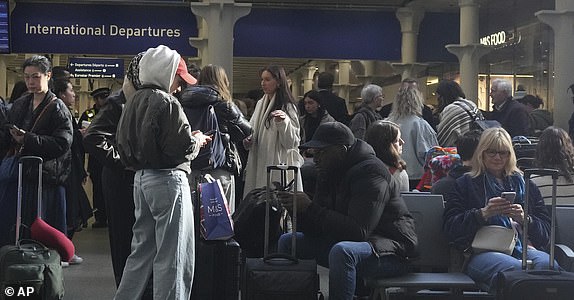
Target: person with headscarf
(117, 180)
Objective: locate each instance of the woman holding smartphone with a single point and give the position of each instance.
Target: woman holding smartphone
(484, 197)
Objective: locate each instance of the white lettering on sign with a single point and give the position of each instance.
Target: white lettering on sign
(494, 39)
(101, 30)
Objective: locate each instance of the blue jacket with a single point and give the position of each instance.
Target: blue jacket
(462, 219)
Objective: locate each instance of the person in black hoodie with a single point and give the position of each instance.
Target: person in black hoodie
(357, 224)
(213, 90)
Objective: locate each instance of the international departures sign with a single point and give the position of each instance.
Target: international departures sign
(101, 29)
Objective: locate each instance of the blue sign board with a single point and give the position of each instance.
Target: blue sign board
(86, 67)
(313, 33)
(4, 27)
(101, 29)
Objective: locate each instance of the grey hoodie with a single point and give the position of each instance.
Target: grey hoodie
(153, 131)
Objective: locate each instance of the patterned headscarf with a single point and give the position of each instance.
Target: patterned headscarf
(133, 70)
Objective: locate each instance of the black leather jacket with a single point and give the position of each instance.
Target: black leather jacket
(232, 124)
(100, 138)
(50, 139)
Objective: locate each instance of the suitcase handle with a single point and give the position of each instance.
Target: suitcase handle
(541, 171)
(285, 259)
(21, 162)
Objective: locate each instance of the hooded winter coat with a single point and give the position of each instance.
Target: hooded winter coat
(153, 131)
(360, 202)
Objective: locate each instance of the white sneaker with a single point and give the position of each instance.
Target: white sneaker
(76, 260)
(65, 264)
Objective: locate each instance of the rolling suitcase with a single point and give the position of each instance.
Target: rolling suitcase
(537, 284)
(29, 270)
(217, 265)
(280, 276)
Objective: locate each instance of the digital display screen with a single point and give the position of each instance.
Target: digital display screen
(4, 27)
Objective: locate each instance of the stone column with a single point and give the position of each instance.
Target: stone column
(469, 51)
(344, 70)
(296, 85)
(562, 22)
(410, 19)
(308, 73)
(220, 17)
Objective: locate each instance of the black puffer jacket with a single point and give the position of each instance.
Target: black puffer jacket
(359, 202)
(232, 124)
(50, 139)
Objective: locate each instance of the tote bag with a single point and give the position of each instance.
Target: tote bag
(215, 220)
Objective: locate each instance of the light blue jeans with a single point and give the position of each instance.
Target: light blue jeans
(163, 237)
(484, 267)
(345, 260)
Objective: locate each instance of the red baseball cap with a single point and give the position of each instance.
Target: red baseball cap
(182, 72)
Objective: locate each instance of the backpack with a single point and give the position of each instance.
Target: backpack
(212, 155)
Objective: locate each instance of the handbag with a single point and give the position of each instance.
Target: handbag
(494, 238)
(215, 220)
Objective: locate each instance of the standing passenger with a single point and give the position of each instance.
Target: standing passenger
(456, 113)
(416, 132)
(508, 112)
(46, 131)
(372, 96)
(117, 181)
(78, 209)
(94, 166)
(335, 105)
(313, 115)
(213, 90)
(276, 128)
(155, 140)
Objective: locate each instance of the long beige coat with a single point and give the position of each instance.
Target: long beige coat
(278, 143)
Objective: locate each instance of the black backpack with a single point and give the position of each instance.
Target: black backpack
(212, 155)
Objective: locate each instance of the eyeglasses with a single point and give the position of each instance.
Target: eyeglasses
(492, 153)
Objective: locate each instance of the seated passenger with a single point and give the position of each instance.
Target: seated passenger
(465, 146)
(555, 151)
(357, 223)
(476, 202)
(385, 138)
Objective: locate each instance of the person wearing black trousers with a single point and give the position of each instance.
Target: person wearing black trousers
(117, 181)
(94, 166)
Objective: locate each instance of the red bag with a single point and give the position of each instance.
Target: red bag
(52, 238)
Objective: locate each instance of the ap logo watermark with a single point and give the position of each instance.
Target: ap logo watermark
(19, 291)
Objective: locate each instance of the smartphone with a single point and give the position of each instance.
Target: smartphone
(509, 196)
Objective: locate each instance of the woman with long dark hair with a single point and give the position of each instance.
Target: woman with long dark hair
(313, 115)
(275, 139)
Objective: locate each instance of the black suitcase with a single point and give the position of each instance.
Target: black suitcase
(537, 284)
(29, 270)
(217, 265)
(279, 276)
